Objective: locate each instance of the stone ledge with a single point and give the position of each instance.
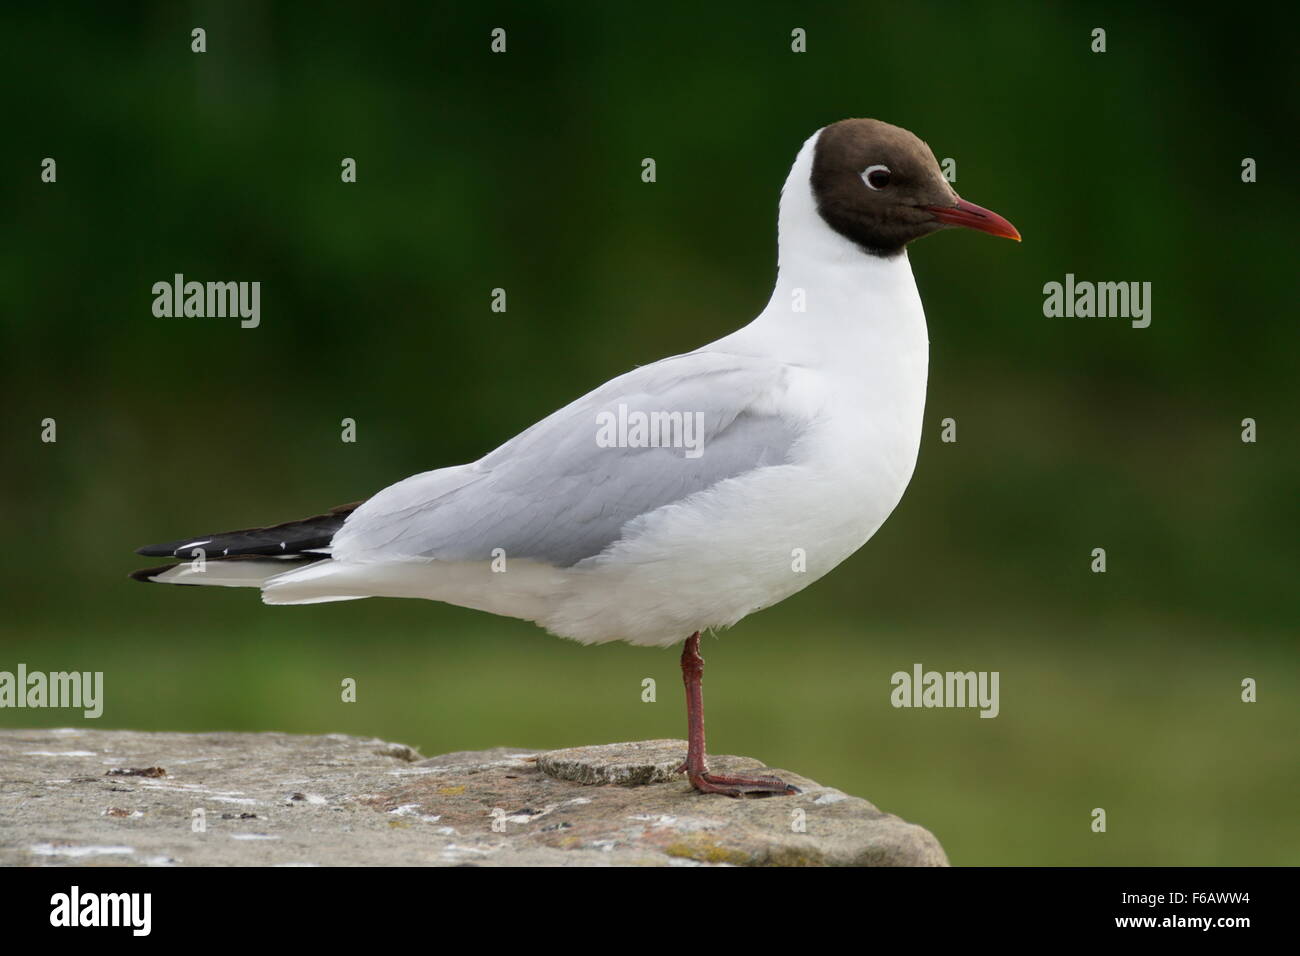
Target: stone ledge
(90, 797)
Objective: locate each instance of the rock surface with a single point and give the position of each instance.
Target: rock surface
(84, 797)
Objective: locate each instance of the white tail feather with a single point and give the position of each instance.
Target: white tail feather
(223, 574)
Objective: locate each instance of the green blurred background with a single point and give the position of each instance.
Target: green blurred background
(1119, 690)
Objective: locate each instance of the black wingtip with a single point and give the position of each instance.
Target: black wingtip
(157, 551)
(147, 574)
(288, 537)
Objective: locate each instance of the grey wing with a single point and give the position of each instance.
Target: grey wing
(559, 492)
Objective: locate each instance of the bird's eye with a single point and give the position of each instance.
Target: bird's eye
(877, 177)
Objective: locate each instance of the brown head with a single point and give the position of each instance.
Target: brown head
(881, 187)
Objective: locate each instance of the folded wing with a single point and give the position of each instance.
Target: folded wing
(560, 492)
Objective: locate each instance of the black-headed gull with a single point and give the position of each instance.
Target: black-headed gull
(685, 494)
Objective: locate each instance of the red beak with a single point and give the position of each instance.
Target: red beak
(975, 217)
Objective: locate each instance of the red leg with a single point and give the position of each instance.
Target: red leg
(696, 767)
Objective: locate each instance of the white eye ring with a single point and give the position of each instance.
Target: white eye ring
(866, 175)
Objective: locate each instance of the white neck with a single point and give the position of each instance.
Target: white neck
(833, 305)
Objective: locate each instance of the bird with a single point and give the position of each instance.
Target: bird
(686, 494)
